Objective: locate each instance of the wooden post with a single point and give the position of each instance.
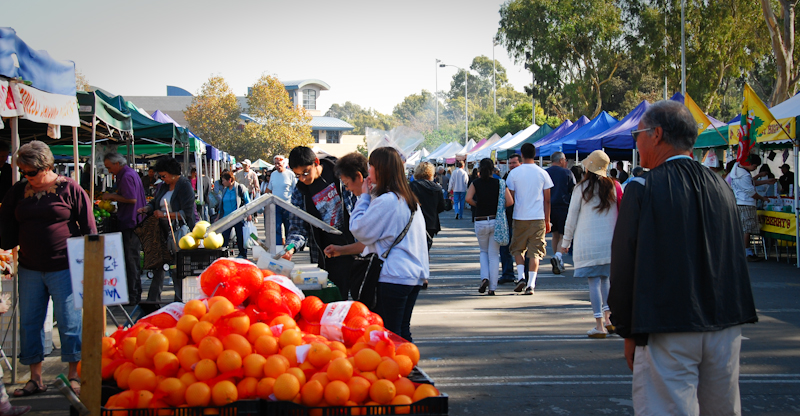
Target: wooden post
(93, 329)
(76, 173)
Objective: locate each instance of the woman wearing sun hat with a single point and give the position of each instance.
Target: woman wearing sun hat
(592, 216)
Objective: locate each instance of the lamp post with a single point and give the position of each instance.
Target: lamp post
(436, 95)
(494, 76)
(683, 47)
(466, 104)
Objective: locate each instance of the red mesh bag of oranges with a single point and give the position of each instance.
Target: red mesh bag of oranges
(234, 279)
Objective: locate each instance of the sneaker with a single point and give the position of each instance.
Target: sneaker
(520, 285)
(594, 333)
(504, 280)
(561, 267)
(528, 291)
(491, 293)
(754, 259)
(554, 263)
(484, 285)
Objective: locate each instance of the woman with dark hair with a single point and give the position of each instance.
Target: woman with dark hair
(386, 217)
(484, 194)
(176, 192)
(234, 195)
(593, 211)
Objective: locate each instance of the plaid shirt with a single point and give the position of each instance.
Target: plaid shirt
(299, 230)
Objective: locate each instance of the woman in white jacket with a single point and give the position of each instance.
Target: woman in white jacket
(591, 218)
(380, 215)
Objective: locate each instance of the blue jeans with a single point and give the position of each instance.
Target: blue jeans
(458, 203)
(396, 302)
(226, 235)
(35, 289)
(281, 218)
(506, 259)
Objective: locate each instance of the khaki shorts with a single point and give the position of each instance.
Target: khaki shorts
(528, 234)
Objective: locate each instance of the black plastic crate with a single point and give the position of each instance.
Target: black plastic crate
(431, 406)
(239, 408)
(193, 262)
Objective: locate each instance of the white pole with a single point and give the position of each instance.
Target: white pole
(436, 94)
(14, 293)
(76, 172)
(466, 110)
(494, 76)
(94, 159)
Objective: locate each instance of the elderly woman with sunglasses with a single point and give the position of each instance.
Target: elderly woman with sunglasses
(39, 214)
(178, 193)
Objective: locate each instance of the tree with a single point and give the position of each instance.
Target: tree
(570, 46)
(214, 114)
(81, 84)
(417, 111)
(280, 125)
(782, 40)
(479, 87)
(360, 117)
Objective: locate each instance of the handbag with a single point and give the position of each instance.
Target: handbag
(178, 231)
(154, 244)
(364, 286)
(501, 222)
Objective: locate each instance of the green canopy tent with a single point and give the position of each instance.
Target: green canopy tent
(544, 130)
(712, 139)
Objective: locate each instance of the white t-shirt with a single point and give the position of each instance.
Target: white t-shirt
(742, 184)
(282, 183)
(528, 181)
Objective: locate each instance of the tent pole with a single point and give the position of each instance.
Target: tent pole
(576, 156)
(541, 161)
(75, 159)
(14, 291)
(94, 157)
(173, 148)
(796, 211)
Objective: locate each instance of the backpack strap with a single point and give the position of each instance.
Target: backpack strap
(399, 237)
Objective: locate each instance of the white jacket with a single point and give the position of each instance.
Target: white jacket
(458, 181)
(742, 185)
(592, 231)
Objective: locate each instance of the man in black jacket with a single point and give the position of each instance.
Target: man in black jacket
(680, 288)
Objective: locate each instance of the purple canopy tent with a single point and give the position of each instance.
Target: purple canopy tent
(560, 132)
(602, 122)
(617, 137)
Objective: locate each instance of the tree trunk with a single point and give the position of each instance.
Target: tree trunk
(782, 48)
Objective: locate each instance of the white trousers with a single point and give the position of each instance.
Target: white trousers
(688, 373)
(490, 252)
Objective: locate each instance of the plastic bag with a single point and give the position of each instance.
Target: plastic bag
(402, 138)
(249, 228)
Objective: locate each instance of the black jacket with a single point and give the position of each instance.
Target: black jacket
(677, 259)
(431, 200)
(182, 200)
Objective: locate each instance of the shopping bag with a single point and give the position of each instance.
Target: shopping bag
(249, 228)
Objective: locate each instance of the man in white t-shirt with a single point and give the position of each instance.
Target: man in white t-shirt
(530, 185)
(248, 178)
(281, 183)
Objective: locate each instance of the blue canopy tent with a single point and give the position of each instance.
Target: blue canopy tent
(617, 140)
(567, 144)
(559, 133)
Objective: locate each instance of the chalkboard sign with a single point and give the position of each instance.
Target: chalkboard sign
(115, 282)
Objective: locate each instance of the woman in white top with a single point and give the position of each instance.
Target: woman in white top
(592, 216)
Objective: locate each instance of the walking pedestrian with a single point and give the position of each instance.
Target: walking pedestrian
(248, 178)
(234, 196)
(593, 211)
(431, 201)
(458, 186)
(530, 186)
(560, 195)
(506, 259)
(680, 288)
(281, 183)
(488, 194)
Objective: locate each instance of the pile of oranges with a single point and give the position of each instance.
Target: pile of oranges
(218, 352)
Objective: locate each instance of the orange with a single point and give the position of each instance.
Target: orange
(256, 330)
(405, 364)
(196, 308)
(210, 347)
(401, 399)
(175, 338)
(337, 393)
(266, 345)
(142, 379)
(404, 386)
(166, 364)
(275, 366)
(423, 391)
(229, 360)
(337, 354)
(355, 411)
(322, 377)
(174, 391)
(142, 336)
(247, 388)
(367, 359)
(410, 350)
(290, 353)
(382, 391)
(188, 378)
(312, 308)
(205, 369)
(198, 394)
(155, 344)
(122, 373)
(340, 369)
(290, 337)
(286, 387)
(288, 322)
(337, 346)
(140, 357)
(239, 324)
(358, 346)
(319, 354)
(358, 309)
(264, 387)
(311, 393)
(237, 343)
(109, 346)
(359, 389)
(211, 317)
(187, 323)
(201, 330)
(388, 369)
(188, 356)
(301, 376)
(369, 375)
(143, 399)
(128, 347)
(254, 365)
(223, 393)
(220, 305)
(385, 348)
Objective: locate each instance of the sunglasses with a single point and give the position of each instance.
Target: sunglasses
(30, 173)
(304, 174)
(635, 133)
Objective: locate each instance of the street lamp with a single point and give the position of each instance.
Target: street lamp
(494, 75)
(466, 104)
(436, 95)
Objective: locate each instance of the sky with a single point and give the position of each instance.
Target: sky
(372, 53)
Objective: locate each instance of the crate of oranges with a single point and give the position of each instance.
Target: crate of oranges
(259, 346)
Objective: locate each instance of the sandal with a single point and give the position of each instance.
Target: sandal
(26, 391)
(77, 390)
(16, 411)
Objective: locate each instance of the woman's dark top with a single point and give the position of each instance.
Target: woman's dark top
(487, 190)
(182, 200)
(431, 201)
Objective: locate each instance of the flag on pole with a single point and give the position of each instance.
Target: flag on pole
(755, 118)
(699, 116)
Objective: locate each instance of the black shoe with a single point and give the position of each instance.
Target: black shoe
(505, 280)
(491, 293)
(554, 263)
(520, 285)
(484, 285)
(456, 216)
(754, 259)
(528, 291)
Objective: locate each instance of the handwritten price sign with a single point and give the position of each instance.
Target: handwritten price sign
(115, 282)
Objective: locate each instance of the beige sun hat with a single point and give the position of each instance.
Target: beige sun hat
(597, 163)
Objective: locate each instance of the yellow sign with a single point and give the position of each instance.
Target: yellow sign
(777, 222)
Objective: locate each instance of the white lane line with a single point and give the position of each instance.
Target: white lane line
(478, 277)
(444, 382)
(506, 341)
(492, 311)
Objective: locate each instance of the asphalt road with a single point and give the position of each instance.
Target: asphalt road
(515, 355)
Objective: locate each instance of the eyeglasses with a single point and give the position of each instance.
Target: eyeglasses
(30, 173)
(162, 176)
(304, 174)
(635, 133)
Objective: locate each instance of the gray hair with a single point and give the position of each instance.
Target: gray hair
(680, 128)
(556, 157)
(36, 154)
(115, 157)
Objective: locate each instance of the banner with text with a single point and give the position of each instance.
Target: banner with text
(777, 222)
